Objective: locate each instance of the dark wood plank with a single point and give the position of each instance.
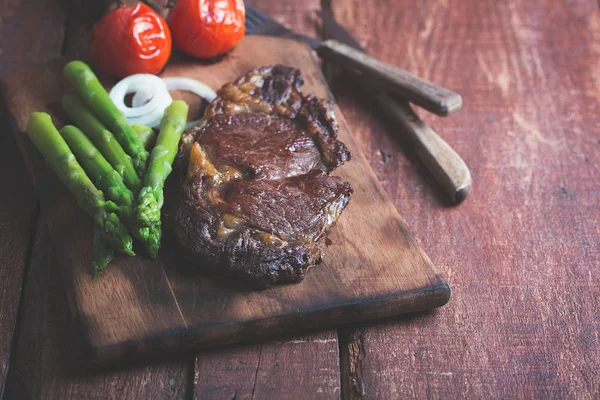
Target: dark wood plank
(522, 252)
(305, 366)
(31, 31)
(297, 15)
(18, 210)
(47, 363)
(20, 44)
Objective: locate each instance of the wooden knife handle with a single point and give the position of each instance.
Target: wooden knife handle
(441, 160)
(434, 98)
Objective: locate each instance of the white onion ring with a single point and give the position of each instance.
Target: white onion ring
(179, 83)
(152, 97)
(153, 118)
(150, 84)
(141, 97)
(190, 85)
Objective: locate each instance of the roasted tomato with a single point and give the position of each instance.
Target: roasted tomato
(207, 28)
(131, 40)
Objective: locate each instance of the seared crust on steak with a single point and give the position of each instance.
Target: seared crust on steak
(257, 199)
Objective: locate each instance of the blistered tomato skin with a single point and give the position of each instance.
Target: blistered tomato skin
(131, 40)
(207, 28)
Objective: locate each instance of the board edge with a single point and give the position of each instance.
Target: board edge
(178, 341)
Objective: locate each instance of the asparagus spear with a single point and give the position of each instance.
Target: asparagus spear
(55, 150)
(101, 172)
(150, 199)
(104, 140)
(102, 253)
(146, 134)
(93, 93)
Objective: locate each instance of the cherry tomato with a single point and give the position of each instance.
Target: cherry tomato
(131, 40)
(207, 28)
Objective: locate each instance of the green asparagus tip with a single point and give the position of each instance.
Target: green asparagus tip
(37, 120)
(102, 254)
(153, 245)
(75, 66)
(115, 233)
(148, 222)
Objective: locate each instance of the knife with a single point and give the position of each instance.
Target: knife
(441, 160)
(434, 98)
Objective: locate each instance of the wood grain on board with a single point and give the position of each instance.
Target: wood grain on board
(47, 361)
(522, 253)
(142, 307)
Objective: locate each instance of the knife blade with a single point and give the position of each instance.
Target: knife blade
(434, 98)
(441, 160)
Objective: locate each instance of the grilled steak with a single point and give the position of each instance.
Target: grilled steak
(257, 199)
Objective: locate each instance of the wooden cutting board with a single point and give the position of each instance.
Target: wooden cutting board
(139, 307)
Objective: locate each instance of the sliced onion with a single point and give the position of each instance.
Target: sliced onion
(152, 97)
(190, 85)
(150, 84)
(141, 97)
(153, 118)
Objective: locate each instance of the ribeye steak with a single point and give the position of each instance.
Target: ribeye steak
(257, 199)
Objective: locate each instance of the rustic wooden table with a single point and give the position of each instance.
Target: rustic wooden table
(521, 253)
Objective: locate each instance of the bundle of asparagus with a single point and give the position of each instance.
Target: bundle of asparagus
(109, 232)
(95, 96)
(104, 140)
(114, 155)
